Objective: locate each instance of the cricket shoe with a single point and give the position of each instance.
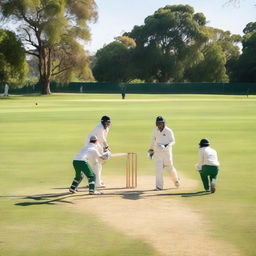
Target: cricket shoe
(177, 183)
(73, 191)
(96, 192)
(158, 189)
(213, 188)
(102, 185)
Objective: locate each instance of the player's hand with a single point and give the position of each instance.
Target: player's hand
(106, 155)
(107, 148)
(161, 147)
(150, 153)
(197, 167)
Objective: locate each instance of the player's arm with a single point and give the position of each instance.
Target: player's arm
(200, 160)
(105, 143)
(171, 138)
(151, 148)
(105, 156)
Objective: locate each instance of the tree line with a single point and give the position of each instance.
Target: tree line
(176, 45)
(173, 45)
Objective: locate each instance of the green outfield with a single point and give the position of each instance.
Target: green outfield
(41, 134)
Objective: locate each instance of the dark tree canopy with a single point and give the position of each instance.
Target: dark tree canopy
(245, 70)
(13, 66)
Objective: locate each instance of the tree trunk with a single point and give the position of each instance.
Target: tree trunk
(45, 85)
(44, 67)
(163, 78)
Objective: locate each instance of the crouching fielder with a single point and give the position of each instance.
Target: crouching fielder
(161, 147)
(208, 165)
(82, 166)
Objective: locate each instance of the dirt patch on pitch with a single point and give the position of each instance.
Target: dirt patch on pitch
(160, 218)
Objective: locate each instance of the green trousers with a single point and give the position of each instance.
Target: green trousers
(82, 167)
(208, 172)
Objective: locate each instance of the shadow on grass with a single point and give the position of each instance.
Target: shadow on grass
(189, 194)
(54, 198)
(49, 199)
(136, 195)
(199, 193)
(85, 188)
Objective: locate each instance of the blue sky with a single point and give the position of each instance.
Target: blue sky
(119, 16)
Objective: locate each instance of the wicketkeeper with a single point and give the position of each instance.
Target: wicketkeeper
(82, 166)
(208, 165)
(101, 132)
(161, 147)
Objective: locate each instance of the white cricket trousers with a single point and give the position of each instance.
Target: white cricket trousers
(163, 161)
(97, 168)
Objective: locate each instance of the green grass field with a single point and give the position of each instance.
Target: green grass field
(38, 143)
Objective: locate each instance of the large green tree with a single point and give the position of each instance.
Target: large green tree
(218, 54)
(170, 41)
(52, 31)
(113, 62)
(13, 65)
(211, 68)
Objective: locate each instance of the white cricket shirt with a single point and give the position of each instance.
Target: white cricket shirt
(88, 153)
(101, 134)
(207, 156)
(164, 137)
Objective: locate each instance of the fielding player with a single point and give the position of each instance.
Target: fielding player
(81, 165)
(208, 165)
(101, 131)
(161, 147)
(6, 89)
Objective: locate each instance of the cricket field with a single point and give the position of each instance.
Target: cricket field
(39, 136)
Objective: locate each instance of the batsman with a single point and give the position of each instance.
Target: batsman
(101, 132)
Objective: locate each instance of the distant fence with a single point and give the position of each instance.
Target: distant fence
(154, 88)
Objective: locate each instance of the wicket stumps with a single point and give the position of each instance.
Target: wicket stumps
(131, 170)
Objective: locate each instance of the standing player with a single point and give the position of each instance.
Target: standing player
(208, 165)
(161, 147)
(101, 131)
(6, 89)
(81, 165)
